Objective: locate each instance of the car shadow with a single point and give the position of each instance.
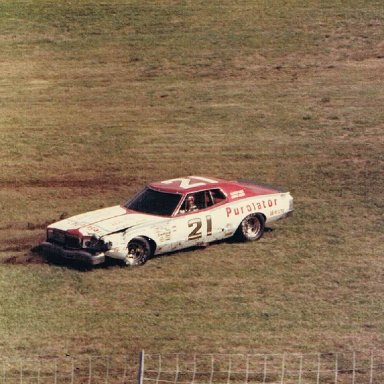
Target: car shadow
(113, 263)
(230, 240)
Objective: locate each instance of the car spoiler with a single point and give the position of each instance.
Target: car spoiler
(263, 185)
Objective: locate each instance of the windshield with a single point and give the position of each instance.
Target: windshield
(154, 202)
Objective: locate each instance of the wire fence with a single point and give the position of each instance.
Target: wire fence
(180, 368)
(69, 370)
(336, 368)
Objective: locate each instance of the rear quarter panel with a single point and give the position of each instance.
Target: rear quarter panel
(272, 206)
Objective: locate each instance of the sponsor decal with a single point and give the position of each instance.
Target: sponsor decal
(164, 235)
(276, 212)
(250, 207)
(94, 229)
(237, 194)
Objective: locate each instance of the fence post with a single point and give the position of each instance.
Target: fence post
(212, 369)
(354, 367)
(301, 369)
(247, 369)
(140, 376)
(55, 379)
(21, 372)
(90, 370)
(318, 368)
(159, 370)
(4, 374)
(107, 371)
(229, 369)
(265, 369)
(126, 360)
(73, 370)
(336, 367)
(38, 371)
(371, 370)
(194, 369)
(283, 369)
(177, 368)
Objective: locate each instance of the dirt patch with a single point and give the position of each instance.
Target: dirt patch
(25, 259)
(19, 244)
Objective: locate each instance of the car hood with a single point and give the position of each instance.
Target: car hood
(104, 221)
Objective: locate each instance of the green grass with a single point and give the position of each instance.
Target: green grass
(98, 98)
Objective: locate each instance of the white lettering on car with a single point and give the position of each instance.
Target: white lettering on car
(237, 194)
(186, 183)
(277, 212)
(250, 207)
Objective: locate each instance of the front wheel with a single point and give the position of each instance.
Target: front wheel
(139, 251)
(251, 228)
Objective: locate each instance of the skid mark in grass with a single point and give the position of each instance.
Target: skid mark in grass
(23, 259)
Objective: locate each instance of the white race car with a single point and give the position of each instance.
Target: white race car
(167, 216)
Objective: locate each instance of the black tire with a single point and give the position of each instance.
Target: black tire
(139, 250)
(251, 228)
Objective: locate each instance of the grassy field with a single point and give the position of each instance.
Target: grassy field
(98, 98)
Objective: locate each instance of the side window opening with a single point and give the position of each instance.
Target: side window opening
(201, 200)
(217, 196)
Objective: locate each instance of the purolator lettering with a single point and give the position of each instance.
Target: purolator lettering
(250, 207)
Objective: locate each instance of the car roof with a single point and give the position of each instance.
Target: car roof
(232, 189)
(190, 184)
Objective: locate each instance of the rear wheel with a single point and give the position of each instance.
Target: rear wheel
(139, 250)
(251, 228)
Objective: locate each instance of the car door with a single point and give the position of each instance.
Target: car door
(202, 224)
(220, 226)
(191, 229)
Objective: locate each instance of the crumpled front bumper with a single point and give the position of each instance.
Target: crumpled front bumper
(71, 254)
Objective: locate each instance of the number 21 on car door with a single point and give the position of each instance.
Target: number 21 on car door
(193, 229)
(200, 228)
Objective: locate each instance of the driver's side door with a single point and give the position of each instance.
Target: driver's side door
(191, 229)
(194, 227)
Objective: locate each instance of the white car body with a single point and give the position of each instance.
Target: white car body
(223, 208)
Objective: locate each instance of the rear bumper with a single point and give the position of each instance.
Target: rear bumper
(280, 217)
(69, 254)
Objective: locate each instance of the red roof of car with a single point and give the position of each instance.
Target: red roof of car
(197, 183)
(187, 184)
